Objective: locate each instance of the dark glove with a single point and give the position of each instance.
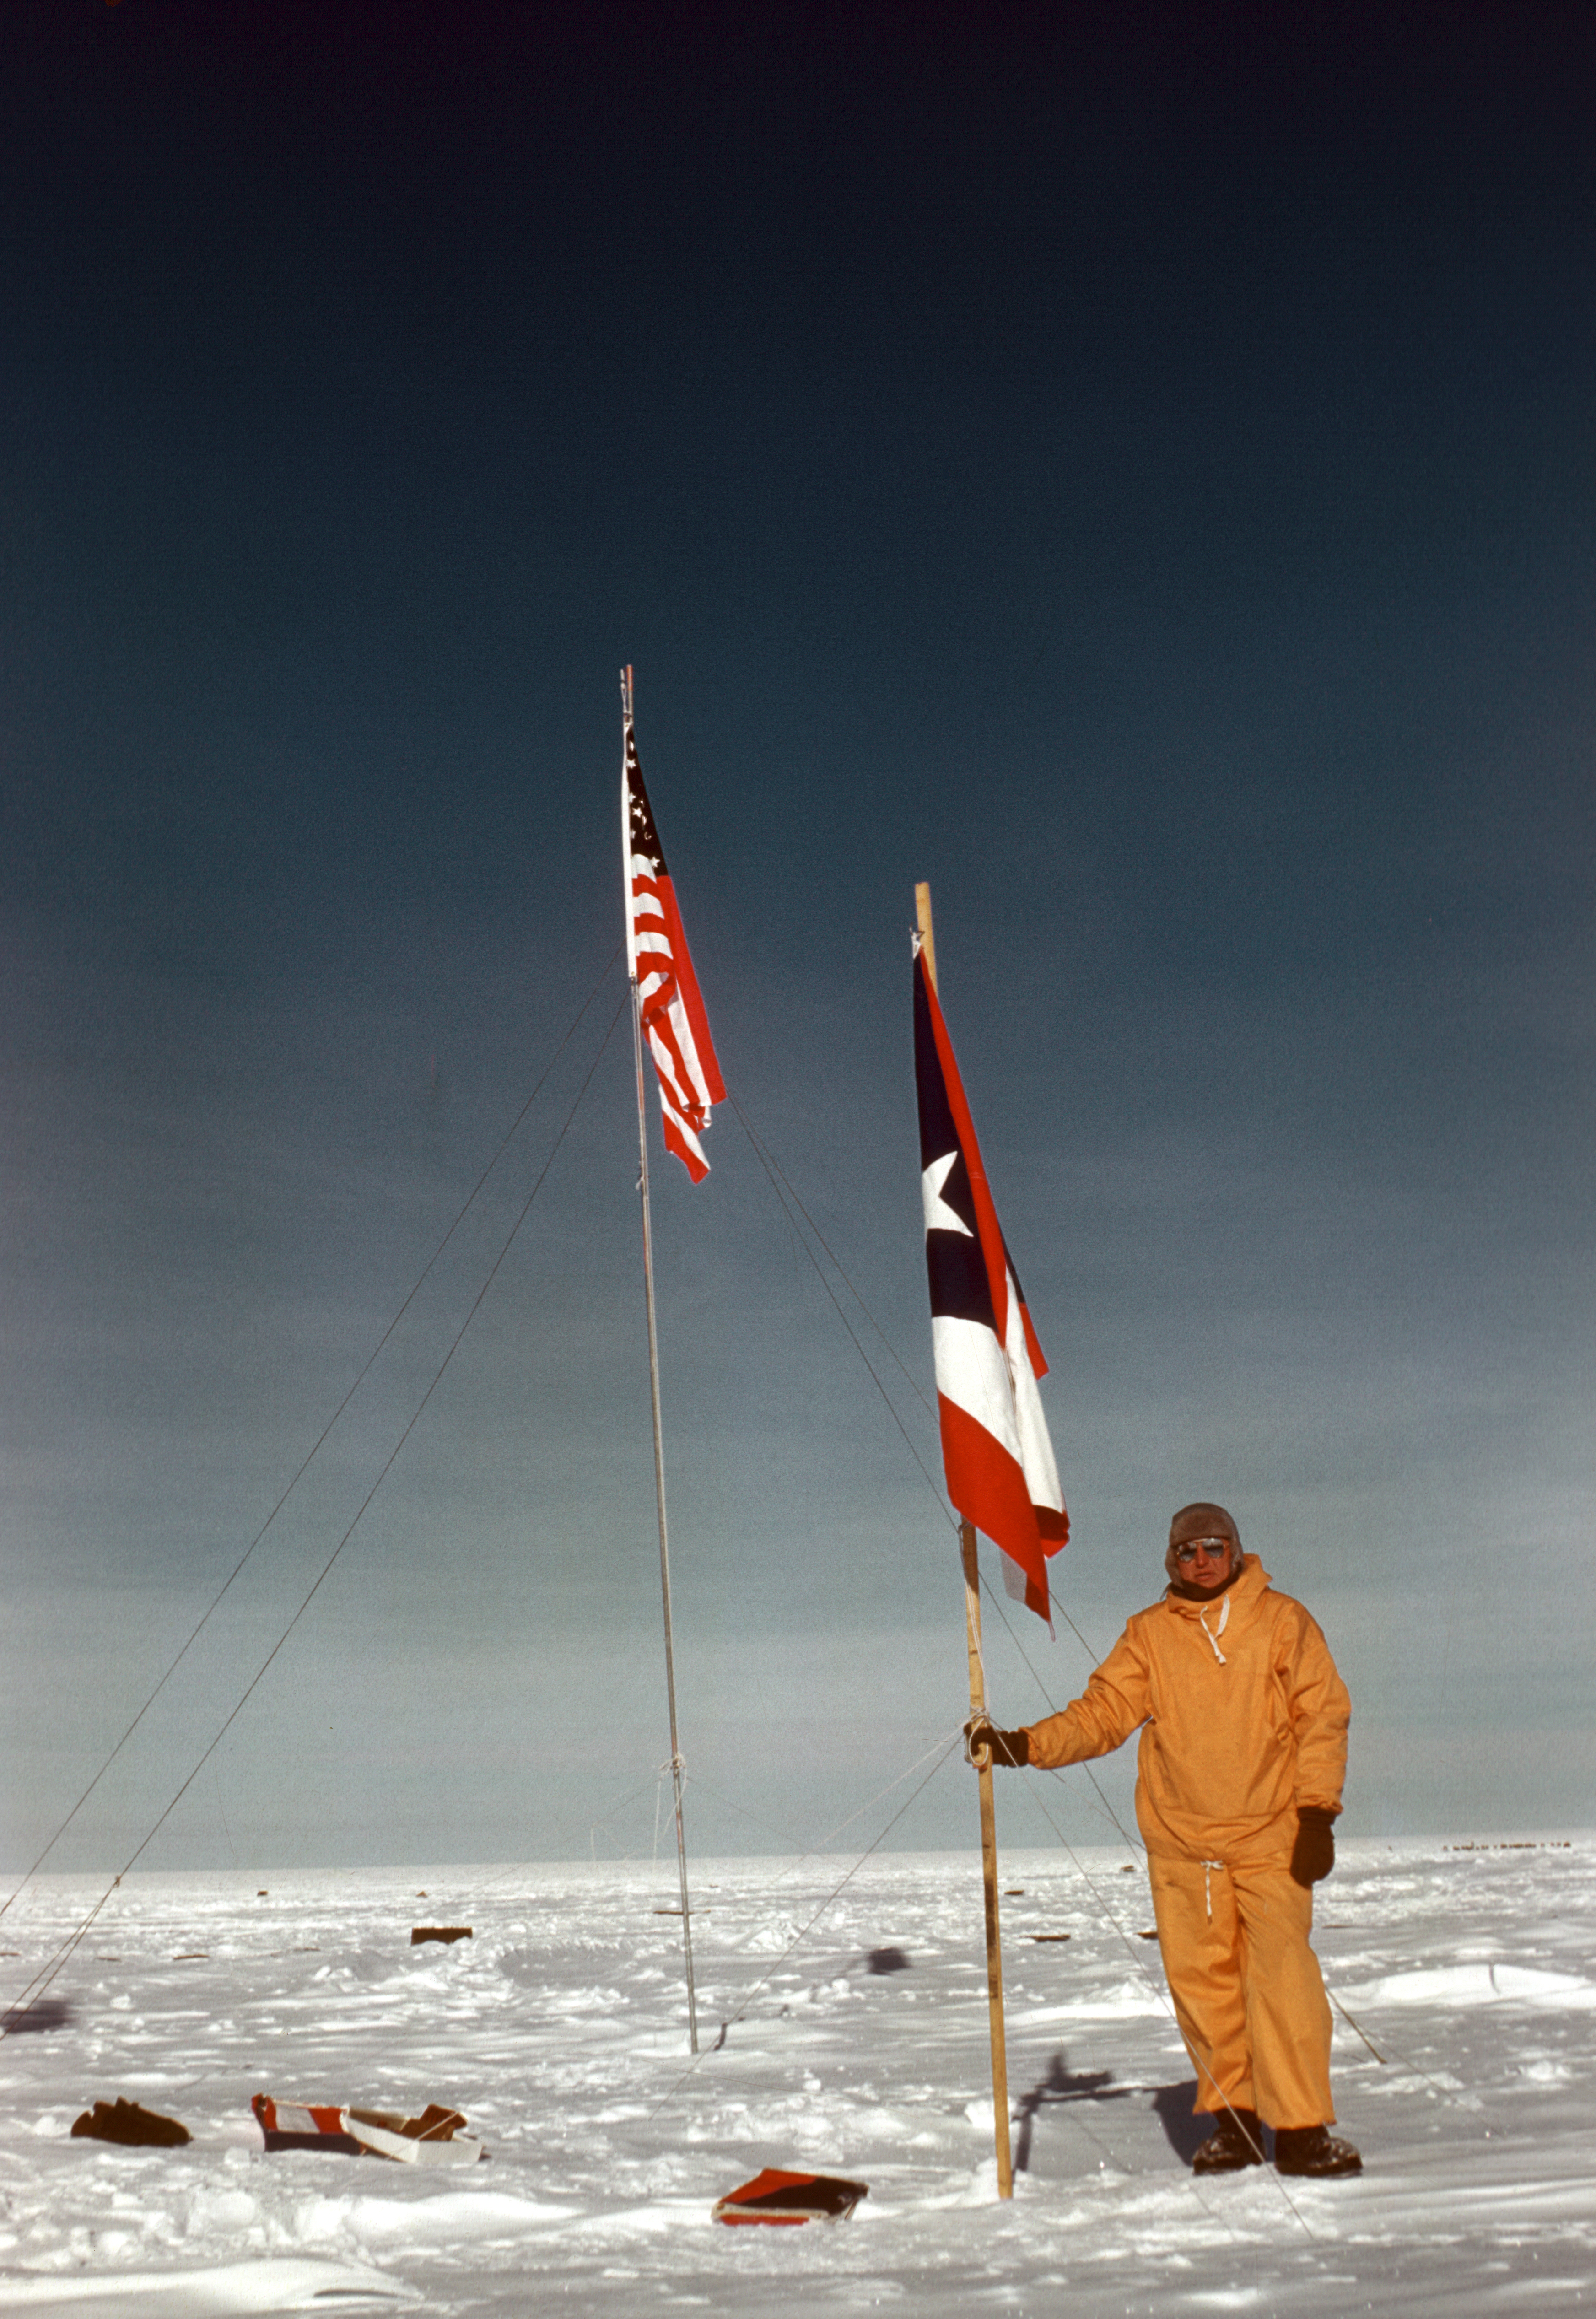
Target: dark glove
(1010, 1748)
(1313, 1855)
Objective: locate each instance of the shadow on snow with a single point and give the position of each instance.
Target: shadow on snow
(1172, 2105)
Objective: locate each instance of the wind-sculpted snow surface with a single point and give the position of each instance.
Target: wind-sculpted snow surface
(558, 2030)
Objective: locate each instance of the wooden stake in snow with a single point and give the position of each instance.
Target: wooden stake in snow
(977, 1706)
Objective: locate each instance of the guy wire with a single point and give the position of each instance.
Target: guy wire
(48, 1973)
(316, 1445)
(842, 1317)
(731, 2019)
(773, 1170)
(1133, 1843)
(766, 1152)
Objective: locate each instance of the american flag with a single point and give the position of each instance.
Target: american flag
(997, 1452)
(674, 1023)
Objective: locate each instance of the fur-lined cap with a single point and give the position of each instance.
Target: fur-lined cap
(1200, 1520)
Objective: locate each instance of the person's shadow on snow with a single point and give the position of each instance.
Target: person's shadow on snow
(1186, 2130)
(1060, 2084)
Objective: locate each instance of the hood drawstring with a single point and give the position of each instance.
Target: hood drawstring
(1224, 1621)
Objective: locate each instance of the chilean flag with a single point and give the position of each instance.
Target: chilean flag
(996, 1450)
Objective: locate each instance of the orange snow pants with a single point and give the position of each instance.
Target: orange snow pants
(1247, 1987)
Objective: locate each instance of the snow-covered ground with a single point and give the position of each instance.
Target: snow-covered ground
(559, 2031)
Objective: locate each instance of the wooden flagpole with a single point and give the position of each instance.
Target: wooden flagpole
(977, 1706)
(677, 1765)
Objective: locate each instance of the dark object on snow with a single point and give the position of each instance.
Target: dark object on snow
(774, 2197)
(128, 2122)
(1049, 1936)
(886, 1961)
(44, 2013)
(419, 1933)
(1237, 2141)
(1310, 2149)
(434, 2138)
(1313, 1855)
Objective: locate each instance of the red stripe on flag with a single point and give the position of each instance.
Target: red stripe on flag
(987, 1485)
(667, 1058)
(1039, 1367)
(691, 997)
(696, 1169)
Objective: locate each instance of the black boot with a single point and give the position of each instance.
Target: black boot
(1311, 2150)
(1237, 2141)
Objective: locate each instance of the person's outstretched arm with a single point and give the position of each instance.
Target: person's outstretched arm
(1114, 1703)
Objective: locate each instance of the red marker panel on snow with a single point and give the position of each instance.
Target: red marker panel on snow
(774, 2197)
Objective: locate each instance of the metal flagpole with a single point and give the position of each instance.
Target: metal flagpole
(659, 1452)
(977, 1706)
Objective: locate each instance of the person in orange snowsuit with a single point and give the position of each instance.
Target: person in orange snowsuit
(1243, 1722)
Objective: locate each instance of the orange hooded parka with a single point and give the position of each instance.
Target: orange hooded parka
(1243, 1720)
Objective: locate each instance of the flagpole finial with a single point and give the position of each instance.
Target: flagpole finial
(625, 685)
(923, 920)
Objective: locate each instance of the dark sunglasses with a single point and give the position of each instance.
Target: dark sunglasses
(1212, 1546)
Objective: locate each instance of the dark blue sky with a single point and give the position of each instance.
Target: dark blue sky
(1131, 466)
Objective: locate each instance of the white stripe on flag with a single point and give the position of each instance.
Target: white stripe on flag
(972, 1373)
(1035, 1443)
